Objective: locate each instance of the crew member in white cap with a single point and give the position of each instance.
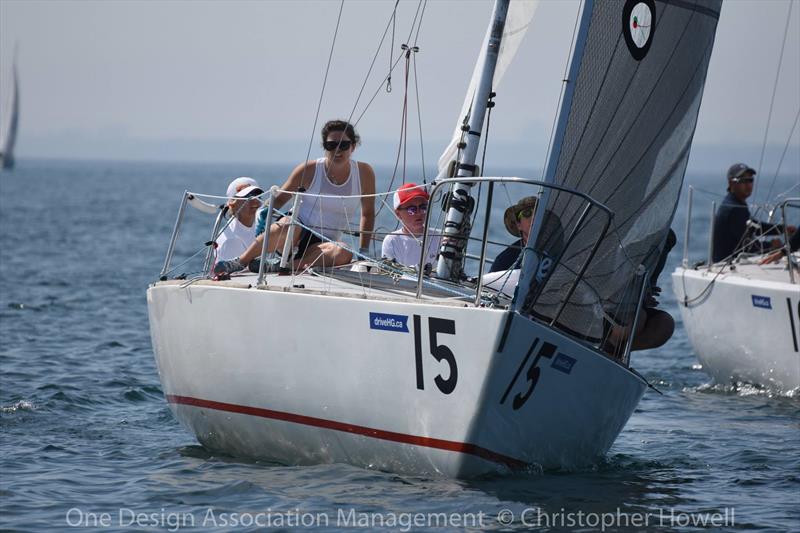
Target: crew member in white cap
(732, 219)
(404, 245)
(240, 233)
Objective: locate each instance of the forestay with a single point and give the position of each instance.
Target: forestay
(627, 132)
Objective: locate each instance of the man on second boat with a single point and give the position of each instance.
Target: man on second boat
(732, 221)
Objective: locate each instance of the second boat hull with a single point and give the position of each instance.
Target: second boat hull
(743, 328)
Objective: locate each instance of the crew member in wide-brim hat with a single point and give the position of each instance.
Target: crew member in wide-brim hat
(512, 214)
(518, 219)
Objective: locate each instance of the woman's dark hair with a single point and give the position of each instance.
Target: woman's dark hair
(340, 125)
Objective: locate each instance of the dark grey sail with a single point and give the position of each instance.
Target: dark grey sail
(9, 124)
(627, 132)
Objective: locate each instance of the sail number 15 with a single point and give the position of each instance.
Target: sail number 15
(439, 351)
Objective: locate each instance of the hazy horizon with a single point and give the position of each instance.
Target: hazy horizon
(240, 81)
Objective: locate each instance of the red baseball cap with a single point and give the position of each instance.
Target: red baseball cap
(408, 192)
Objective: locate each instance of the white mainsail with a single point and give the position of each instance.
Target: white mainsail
(9, 122)
(520, 15)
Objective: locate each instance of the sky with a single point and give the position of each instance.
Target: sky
(226, 81)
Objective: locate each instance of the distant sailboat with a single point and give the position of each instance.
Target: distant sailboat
(9, 122)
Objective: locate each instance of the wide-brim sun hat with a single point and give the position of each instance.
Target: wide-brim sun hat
(510, 216)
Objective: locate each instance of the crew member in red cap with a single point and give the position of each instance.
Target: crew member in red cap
(405, 244)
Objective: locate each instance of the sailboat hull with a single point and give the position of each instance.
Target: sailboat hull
(744, 324)
(403, 386)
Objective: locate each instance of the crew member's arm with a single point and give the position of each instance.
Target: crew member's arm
(768, 228)
(301, 177)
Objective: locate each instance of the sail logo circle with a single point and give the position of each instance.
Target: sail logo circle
(638, 26)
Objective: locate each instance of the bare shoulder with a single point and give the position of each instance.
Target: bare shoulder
(367, 174)
(365, 168)
(303, 174)
(306, 166)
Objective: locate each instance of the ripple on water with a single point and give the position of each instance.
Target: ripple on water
(142, 394)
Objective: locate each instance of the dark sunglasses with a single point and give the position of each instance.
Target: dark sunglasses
(524, 213)
(414, 209)
(744, 180)
(331, 146)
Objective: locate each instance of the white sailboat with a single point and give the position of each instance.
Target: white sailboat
(742, 312)
(9, 123)
(743, 317)
(440, 375)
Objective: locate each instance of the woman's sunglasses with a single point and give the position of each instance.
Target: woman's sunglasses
(332, 146)
(524, 213)
(414, 209)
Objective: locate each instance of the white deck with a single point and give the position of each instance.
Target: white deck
(348, 283)
(749, 271)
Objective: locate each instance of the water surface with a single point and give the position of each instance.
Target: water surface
(88, 440)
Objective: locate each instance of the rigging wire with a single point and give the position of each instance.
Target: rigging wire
(783, 155)
(391, 48)
(394, 65)
(774, 91)
(403, 144)
(372, 64)
(406, 52)
(324, 83)
(419, 120)
(416, 93)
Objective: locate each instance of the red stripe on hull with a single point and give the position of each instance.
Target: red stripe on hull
(428, 442)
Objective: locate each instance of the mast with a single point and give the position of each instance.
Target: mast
(530, 258)
(457, 224)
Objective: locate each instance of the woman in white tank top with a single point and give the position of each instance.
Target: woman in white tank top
(336, 174)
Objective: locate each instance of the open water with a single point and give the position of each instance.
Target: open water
(87, 441)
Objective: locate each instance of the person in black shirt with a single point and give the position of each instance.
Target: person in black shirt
(732, 219)
(518, 219)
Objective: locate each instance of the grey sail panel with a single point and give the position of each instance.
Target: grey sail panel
(626, 144)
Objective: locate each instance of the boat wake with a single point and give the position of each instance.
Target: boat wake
(743, 389)
(22, 405)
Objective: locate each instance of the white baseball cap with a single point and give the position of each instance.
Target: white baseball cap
(250, 183)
